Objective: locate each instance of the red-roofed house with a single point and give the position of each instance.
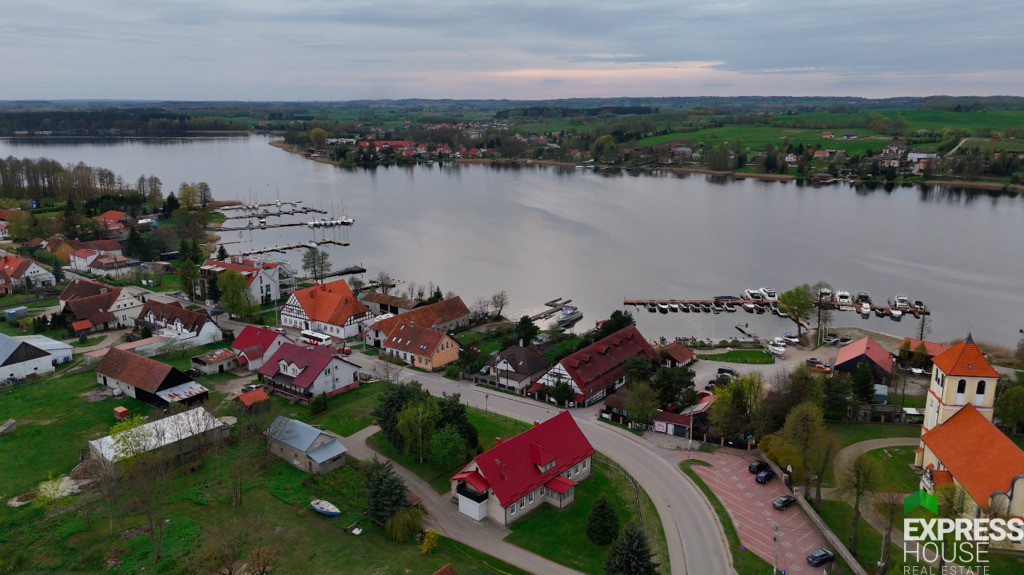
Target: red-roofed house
(101, 305)
(20, 269)
(254, 346)
(303, 373)
(421, 347)
(445, 315)
(960, 376)
(215, 361)
(676, 354)
(598, 369)
(147, 379)
(330, 308)
(171, 320)
(540, 465)
(262, 278)
(930, 347)
(114, 220)
(250, 398)
(865, 349)
(979, 458)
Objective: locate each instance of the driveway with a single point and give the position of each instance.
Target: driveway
(750, 506)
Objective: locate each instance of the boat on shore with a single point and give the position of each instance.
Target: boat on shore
(572, 314)
(324, 508)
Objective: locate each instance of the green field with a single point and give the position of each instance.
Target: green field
(898, 476)
(755, 138)
(851, 432)
(757, 356)
(560, 534)
(934, 120)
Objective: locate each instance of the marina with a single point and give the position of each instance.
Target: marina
(267, 214)
(314, 244)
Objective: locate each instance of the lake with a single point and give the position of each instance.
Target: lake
(542, 232)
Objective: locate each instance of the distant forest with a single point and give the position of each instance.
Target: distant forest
(144, 119)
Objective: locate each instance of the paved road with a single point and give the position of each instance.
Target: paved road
(695, 538)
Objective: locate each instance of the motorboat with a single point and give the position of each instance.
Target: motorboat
(778, 311)
(896, 314)
(863, 297)
(830, 339)
(568, 314)
(684, 307)
(781, 342)
(919, 305)
(776, 350)
(753, 295)
(865, 308)
(880, 311)
(790, 338)
(759, 308)
(824, 295)
(324, 508)
(843, 298)
(768, 293)
(729, 307)
(717, 307)
(901, 302)
(673, 306)
(652, 307)
(749, 307)
(705, 307)
(663, 307)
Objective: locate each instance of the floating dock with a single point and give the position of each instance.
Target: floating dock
(763, 306)
(315, 244)
(552, 308)
(267, 214)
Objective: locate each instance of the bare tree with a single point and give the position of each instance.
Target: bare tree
(824, 313)
(481, 306)
(384, 282)
(387, 371)
(823, 450)
(924, 327)
(499, 301)
(890, 505)
(856, 479)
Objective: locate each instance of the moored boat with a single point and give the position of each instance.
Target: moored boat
(748, 307)
(652, 307)
(768, 293)
(896, 314)
(684, 307)
(673, 306)
(729, 307)
(663, 307)
(569, 314)
(880, 311)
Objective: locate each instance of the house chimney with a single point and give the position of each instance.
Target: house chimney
(497, 441)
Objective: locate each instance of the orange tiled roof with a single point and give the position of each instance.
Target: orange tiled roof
(965, 359)
(427, 316)
(930, 347)
(250, 397)
(331, 303)
(979, 456)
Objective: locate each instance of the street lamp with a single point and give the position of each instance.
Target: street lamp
(775, 564)
(885, 474)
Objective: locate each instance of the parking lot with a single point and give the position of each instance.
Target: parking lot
(750, 506)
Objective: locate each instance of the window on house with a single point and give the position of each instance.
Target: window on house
(981, 387)
(961, 386)
(522, 503)
(512, 509)
(530, 497)
(584, 464)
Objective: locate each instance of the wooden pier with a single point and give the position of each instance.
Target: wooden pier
(277, 204)
(764, 306)
(552, 307)
(267, 214)
(312, 245)
(261, 227)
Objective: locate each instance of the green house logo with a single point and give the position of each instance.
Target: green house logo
(920, 498)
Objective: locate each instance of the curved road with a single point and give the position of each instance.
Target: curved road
(696, 541)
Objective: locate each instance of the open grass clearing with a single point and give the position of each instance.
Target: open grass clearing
(351, 411)
(898, 474)
(89, 341)
(756, 356)
(560, 534)
(850, 432)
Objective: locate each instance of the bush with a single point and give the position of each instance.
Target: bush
(452, 371)
(318, 404)
(602, 523)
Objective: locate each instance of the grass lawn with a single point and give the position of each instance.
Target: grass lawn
(745, 561)
(561, 349)
(351, 411)
(29, 300)
(838, 515)
(89, 341)
(183, 359)
(276, 503)
(741, 356)
(909, 401)
(850, 432)
(898, 476)
(560, 534)
(54, 424)
(488, 427)
(487, 345)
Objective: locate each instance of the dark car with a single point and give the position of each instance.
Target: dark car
(813, 361)
(757, 466)
(783, 502)
(765, 476)
(820, 557)
(192, 372)
(728, 372)
(217, 311)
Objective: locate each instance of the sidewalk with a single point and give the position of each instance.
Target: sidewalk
(444, 515)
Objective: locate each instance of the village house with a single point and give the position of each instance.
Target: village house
(214, 361)
(543, 464)
(827, 135)
(114, 221)
(675, 354)
(598, 369)
(108, 265)
(171, 320)
(59, 351)
(146, 379)
(304, 446)
(331, 309)
(381, 304)
(446, 315)
(514, 368)
(960, 376)
(21, 360)
(182, 432)
(255, 345)
(303, 373)
(251, 400)
(421, 347)
(25, 273)
(865, 350)
(262, 278)
(103, 306)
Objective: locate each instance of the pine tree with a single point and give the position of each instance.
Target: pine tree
(222, 253)
(602, 523)
(385, 490)
(630, 554)
(864, 383)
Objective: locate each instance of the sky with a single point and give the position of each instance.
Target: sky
(393, 49)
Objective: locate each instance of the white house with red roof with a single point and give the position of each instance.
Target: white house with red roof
(303, 373)
(255, 345)
(540, 465)
(445, 315)
(598, 369)
(20, 269)
(329, 308)
(170, 320)
(263, 278)
(421, 347)
(114, 221)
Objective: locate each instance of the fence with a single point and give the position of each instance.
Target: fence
(599, 458)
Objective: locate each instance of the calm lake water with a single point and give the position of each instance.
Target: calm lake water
(542, 232)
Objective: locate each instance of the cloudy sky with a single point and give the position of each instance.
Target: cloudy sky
(355, 49)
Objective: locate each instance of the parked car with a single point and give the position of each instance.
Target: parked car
(757, 466)
(765, 476)
(728, 371)
(279, 329)
(216, 311)
(822, 368)
(250, 387)
(811, 362)
(820, 557)
(346, 350)
(192, 372)
(783, 502)
(710, 386)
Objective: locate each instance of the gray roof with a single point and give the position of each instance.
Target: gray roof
(327, 451)
(293, 432)
(45, 343)
(7, 346)
(10, 354)
(522, 360)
